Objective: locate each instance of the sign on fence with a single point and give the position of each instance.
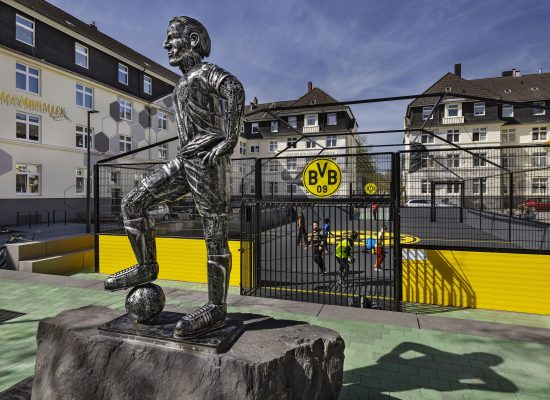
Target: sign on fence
(322, 177)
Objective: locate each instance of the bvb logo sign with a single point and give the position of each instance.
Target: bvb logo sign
(370, 188)
(322, 177)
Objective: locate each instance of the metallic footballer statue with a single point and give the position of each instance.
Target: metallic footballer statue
(209, 104)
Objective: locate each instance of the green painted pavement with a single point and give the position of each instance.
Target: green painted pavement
(382, 361)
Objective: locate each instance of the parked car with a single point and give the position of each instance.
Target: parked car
(418, 203)
(538, 204)
(159, 212)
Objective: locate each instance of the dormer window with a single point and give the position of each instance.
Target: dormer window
(293, 121)
(274, 126)
(427, 113)
(24, 30)
(255, 127)
(452, 110)
(479, 108)
(331, 119)
(507, 111)
(123, 74)
(539, 111)
(311, 120)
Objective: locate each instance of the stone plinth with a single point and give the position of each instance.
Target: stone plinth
(272, 359)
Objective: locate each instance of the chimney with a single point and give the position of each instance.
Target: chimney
(93, 25)
(458, 70)
(540, 70)
(254, 102)
(516, 72)
(309, 86)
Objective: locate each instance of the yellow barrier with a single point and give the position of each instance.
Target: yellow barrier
(179, 259)
(496, 281)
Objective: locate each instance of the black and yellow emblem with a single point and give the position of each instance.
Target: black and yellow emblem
(322, 177)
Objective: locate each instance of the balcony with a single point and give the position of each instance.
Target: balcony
(453, 120)
(310, 129)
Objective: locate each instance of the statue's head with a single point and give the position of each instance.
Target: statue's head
(186, 37)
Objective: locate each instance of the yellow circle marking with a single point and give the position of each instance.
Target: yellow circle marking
(337, 236)
(322, 177)
(371, 188)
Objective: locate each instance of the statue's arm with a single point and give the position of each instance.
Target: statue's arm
(233, 92)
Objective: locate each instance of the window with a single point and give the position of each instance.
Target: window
(508, 161)
(539, 111)
(163, 151)
(426, 161)
(291, 142)
(538, 159)
(273, 166)
(81, 55)
(27, 127)
(242, 148)
(162, 121)
(274, 126)
(27, 178)
(27, 78)
(125, 143)
(291, 164)
(426, 112)
(331, 119)
(453, 188)
(331, 141)
(293, 121)
(507, 135)
(123, 73)
(453, 160)
(138, 177)
(274, 187)
(452, 110)
(273, 145)
(84, 96)
(115, 178)
(80, 179)
(291, 188)
(426, 186)
(539, 134)
(255, 127)
(255, 148)
(125, 109)
(479, 135)
(479, 183)
(147, 84)
(310, 120)
(82, 137)
(479, 108)
(453, 135)
(507, 111)
(538, 185)
(310, 144)
(426, 138)
(480, 160)
(24, 30)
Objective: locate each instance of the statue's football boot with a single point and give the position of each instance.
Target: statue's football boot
(212, 315)
(207, 318)
(142, 238)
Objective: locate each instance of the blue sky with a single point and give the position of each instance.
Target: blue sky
(352, 49)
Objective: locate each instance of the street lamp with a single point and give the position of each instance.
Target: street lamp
(88, 186)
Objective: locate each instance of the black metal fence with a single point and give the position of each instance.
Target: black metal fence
(478, 198)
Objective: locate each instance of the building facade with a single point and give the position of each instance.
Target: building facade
(56, 69)
(287, 136)
(474, 125)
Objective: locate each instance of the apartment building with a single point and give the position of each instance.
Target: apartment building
(287, 136)
(474, 124)
(56, 71)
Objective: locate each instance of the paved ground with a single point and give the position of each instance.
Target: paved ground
(388, 355)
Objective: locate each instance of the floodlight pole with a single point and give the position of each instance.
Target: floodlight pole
(88, 174)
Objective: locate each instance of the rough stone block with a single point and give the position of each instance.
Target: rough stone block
(272, 359)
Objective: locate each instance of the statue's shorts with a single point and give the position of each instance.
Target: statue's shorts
(209, 184)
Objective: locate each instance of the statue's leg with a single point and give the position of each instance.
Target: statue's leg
(165, 184)
(210, 187)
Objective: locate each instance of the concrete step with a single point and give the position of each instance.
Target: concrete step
(60, 264)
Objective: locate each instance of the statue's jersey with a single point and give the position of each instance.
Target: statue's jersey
(198, 105)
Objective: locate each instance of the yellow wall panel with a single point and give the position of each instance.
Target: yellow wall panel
(179, 259)
(498, 281)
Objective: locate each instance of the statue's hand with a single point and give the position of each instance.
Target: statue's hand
(221, 149)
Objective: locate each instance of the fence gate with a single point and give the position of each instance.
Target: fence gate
(276, 261)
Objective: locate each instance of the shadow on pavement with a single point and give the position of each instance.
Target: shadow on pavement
(411, 366)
